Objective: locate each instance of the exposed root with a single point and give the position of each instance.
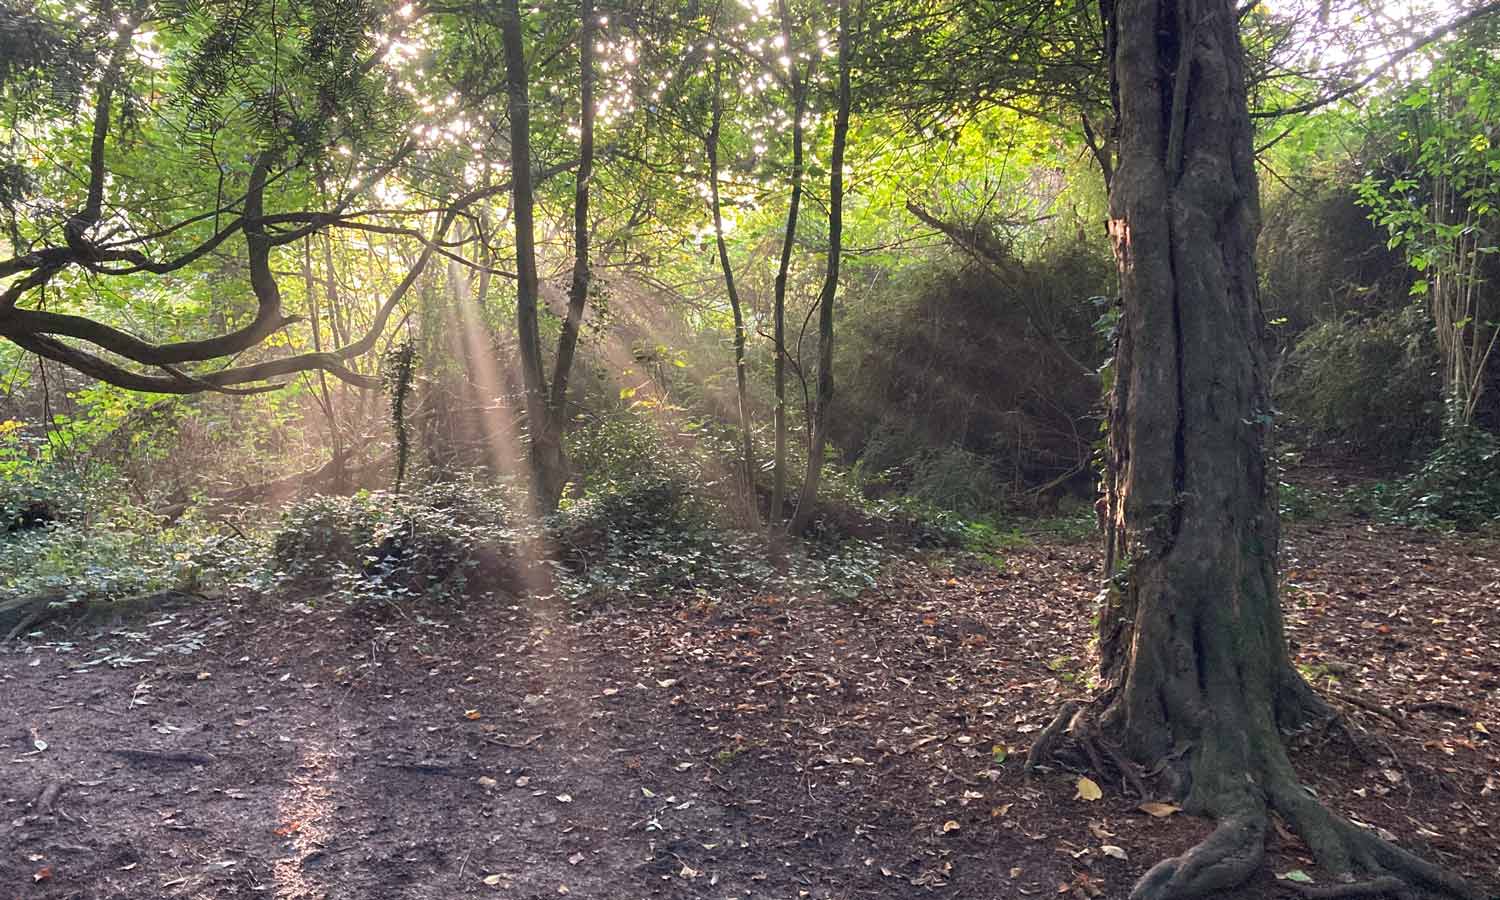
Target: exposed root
(1371, 706)
(1045, 745)
(1346, 849)
(1236, 848)
(1226, 859)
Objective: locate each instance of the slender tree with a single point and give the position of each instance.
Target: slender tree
(797, 85)
(546, 410)
(818, 426)
(741, 388)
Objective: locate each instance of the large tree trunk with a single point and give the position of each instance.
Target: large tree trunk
(1195, 663)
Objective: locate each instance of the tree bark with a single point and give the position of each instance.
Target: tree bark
(778, 303)
(545, 446)
(1195, 664)
(578, 292)
(818, 426)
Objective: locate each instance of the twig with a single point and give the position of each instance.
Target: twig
(1375, 887)
(1442, 706)
(48, 798)
(26, 622)
(182, 757)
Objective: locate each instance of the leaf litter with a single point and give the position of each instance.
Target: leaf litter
(761, 745)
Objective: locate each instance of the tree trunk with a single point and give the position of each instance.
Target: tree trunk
(741, 387)
(578, 292)
(1194, 660)
(818, 426)
(545, 445)
(778, 303)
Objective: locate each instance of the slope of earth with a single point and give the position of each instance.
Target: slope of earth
(771, 747)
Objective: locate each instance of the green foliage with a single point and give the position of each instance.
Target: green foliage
(1457, 486)
(71, 563)
(1367, 385)
(400, 368)
(975, 384)
(451, 541)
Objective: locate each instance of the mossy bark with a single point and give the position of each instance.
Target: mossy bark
(1195, 665)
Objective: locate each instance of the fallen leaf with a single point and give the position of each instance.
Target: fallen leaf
(492, 880)
(950, 825)
(39, 744)
(1296, 875)
(1479, 727)
(1088, 790)
(486, 781)
(523, 781)
(575, 859)
(564, 798)
(472, 714)
(1001, 810)
(1159, 810)
(42, 874)
(288, 828)
(1113, 852)
(999, 752)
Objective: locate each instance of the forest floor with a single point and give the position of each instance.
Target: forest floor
(769, 747)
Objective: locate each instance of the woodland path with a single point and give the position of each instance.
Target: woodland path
(764, 747)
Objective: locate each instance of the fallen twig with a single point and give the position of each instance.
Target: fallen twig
(1375, 887)
(179, 757)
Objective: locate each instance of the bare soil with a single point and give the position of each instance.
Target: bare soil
(766, 747)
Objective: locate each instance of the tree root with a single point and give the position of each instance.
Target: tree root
(1224, 860)
(1236, 848)
(1074, 721)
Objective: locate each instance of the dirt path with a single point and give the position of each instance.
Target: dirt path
(770, 748)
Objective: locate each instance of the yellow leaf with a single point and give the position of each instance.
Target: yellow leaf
(1479, 727)
(950, 825)
(1088, 790)
(1160, 810)
(492, 880)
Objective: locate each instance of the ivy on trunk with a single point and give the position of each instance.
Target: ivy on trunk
(1197, 679)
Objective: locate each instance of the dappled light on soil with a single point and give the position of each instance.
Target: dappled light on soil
(760, 744)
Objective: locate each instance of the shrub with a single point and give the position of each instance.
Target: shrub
(995, 367)
(71, 563)
(1457, 485)
(453, 541)
(1366, 384)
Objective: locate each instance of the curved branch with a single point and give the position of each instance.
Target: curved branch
(1430, 37)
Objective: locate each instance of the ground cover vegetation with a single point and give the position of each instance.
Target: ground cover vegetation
(749, 448)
